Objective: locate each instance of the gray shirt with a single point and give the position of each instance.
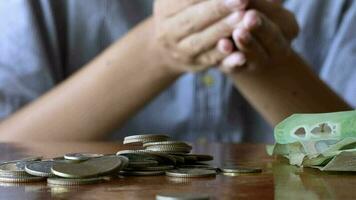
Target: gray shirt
(42, 42)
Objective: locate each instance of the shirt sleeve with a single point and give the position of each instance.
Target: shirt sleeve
(339, 68)
(24, 68)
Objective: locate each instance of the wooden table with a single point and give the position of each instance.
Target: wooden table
(278, 180)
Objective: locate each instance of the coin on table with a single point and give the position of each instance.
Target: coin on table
(89, 168)
(175, 143)
(39, 168)
(202, 157)
(182, 196)
(198, 167)
(142, 173)
(191, 173)
(125, 162)
(75, 181)
(145, 138)
(12, 169)
(142, 164)
(21, 179)
(153, 168)
(63, 160)
(81, 156)
(238, 169)
(169, 149)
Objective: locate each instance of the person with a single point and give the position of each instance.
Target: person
(143, 83)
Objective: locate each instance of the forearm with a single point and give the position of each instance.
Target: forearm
(280, 91)
(99, 98)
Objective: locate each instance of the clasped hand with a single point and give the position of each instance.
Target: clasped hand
(237, 35)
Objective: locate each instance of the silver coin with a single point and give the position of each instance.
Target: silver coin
(142, 164)
(63, 160)
(175, 143)
(154, 168)
(198, 167)
(191, 173)
(23, 179)
(81, 156)
(238, 169)
(12, 169)
(89, 168)
(39, 168)
(125, 162)
(169, 149)
(142, 173)
(144, 138)
(202, 157)
(71, 182)
(182, 196)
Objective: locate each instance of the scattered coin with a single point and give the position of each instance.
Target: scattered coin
(159, 158)
(237, 169)
(39, 168)
(89, 168)
(191, 173)
(182, 196)
(81, 156)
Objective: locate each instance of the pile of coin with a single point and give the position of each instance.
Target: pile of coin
(158, 155)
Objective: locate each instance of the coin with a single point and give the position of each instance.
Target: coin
(142, 164)
(63, 160)
(191, 173)
(89, 168)
(153, 168)
(144, 138)
(237, 169)
(182, 196)
(76, 181)
(198, 167)
(202, 157)
(125, 162)
(23, 179)
(12, 169)
(81, 156)
(142, 173)
(169, 149)
(39, 168)
(175, 143)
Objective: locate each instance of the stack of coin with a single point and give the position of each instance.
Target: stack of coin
(168, 155)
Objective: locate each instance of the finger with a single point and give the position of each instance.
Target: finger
(267, 33)
(178, 7)
(279, 15)
(225, 46)
(205, 40)
(216, 55)
(233, 62)
(201, 15)
(254, 52)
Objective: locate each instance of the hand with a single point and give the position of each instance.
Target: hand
(261, 42)
(188, 31)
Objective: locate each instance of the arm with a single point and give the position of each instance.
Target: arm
(98, 98)
(283, 83)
